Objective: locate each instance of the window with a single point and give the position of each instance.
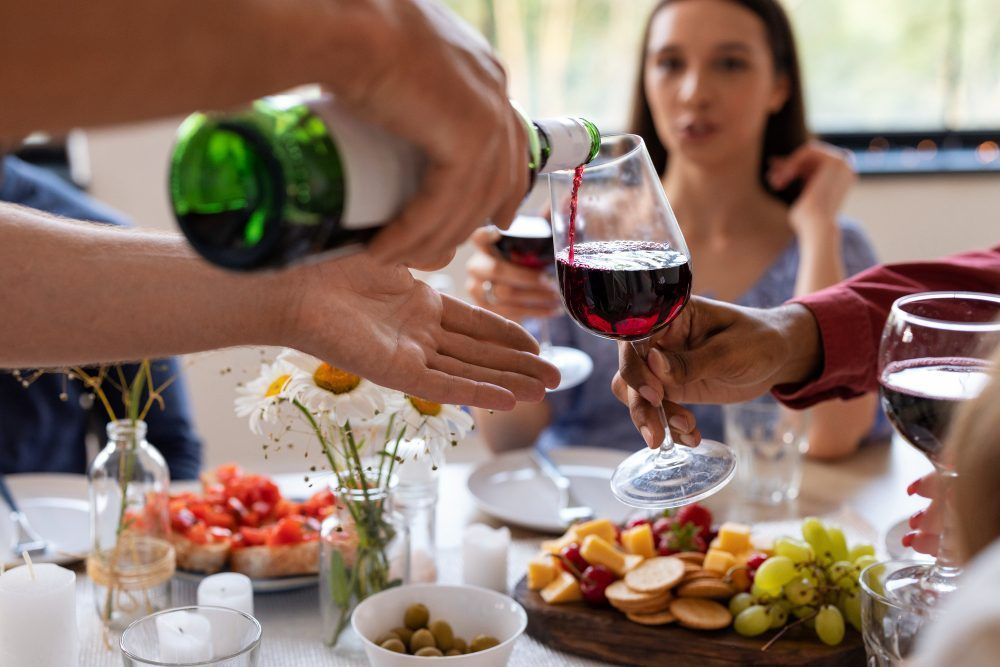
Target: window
(909, 85)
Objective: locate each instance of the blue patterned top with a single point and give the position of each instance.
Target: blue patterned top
(590, 415)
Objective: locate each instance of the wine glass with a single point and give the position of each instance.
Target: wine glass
(528, 243)
(624, 274)
(934, 355)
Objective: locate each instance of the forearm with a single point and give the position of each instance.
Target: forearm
(82, 64)
(79, 293)
(836, 428)
(504, 431)
(820, 261)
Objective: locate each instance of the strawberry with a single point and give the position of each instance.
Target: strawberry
(697, 515)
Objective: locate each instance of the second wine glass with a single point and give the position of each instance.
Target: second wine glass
(625, 274)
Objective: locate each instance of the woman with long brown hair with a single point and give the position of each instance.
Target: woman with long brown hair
(718, 100)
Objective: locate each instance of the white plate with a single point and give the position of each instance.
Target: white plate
(275, 585)
(511, 488)
(57, 507)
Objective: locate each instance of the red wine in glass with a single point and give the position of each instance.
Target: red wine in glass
(528, 243)
(920, 395)
(626, 290)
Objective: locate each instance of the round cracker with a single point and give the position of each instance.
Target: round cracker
(620, 593)
(659, 604)
(705, 588)
(694, 575)
(655, 575)
(693, 557)
(700, 614)
(658, 618)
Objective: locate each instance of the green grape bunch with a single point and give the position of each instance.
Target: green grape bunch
(813, 581)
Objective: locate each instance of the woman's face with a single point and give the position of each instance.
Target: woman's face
(710, 80)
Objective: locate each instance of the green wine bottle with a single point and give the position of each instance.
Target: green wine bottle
(295, 175)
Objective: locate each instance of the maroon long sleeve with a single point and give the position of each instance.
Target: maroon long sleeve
(851, 316)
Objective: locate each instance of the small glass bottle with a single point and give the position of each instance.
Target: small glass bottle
(297, 175)
(363, 548)
(415, 500)
(131, 560)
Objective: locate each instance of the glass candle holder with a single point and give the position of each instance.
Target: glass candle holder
(131, 579)
(183, 637)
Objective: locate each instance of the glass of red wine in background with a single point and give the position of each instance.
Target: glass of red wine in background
(934, 355)
(528, 243)
(625, 274)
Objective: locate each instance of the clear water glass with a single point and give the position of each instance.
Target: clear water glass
(232, 640)
(769, 441)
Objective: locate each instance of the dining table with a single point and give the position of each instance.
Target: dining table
(865, 493)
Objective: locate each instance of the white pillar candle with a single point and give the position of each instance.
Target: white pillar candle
(184, 636)
(233, 591)
(484, 556)
(38, 617)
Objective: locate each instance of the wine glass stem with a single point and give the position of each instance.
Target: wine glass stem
(665, 455)
(943, 577)
(544, 335)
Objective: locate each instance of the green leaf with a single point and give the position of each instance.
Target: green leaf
(340, 588)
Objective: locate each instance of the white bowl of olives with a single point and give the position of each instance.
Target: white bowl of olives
(465, 626)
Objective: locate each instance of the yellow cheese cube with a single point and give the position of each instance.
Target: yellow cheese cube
(598, 551)
(541, 571)
(734, 537)
(555, 546)
(764, 545)
(715, 544)
(600, 527)
(717, 560)
(639, 540)
(564, 588)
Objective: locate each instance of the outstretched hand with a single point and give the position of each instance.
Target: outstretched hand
(379, 322)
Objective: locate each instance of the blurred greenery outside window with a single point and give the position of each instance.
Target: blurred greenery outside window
(909, 85)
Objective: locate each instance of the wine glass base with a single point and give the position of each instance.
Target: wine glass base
(643, 480)
(909, 588)
(575, 366)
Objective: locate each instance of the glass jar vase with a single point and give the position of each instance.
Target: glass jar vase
(363, 550)
(131, 559)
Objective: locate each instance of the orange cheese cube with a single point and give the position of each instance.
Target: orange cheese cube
(734, 537)
(601, 527)
(541, 571)
(598, 551)
(717, 560)
(555, 546)
(564, 588)
(639, 540)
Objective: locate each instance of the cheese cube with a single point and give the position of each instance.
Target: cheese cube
(639, 540)
(541, 571)
(555, 546)
(564, 588)
(598, 551)
(601, 527)
(734, 537)
(717, 560)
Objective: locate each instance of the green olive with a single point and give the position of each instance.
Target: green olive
(422, 638)
(404, 634)
(429, 652)
(482, 642)
(453, 652)
(443, 635)
(393, 645)
(416, 616)
(460, 645)
(386, 637)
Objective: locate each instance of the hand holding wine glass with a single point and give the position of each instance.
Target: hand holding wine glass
(624, 274)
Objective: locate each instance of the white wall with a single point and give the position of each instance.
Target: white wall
(908, 218)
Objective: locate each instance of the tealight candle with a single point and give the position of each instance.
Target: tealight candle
(484, 556)
(184, 636)
(38, 617)
(233, 591)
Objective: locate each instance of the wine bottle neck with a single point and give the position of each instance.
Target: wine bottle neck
(566, 143)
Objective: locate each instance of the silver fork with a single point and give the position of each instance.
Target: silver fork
(570, 508)
(26, 540)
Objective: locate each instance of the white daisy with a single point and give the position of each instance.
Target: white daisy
(438, 425)
(331, 392)
(261, 398)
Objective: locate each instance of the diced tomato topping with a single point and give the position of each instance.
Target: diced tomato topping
(182, 519)
(253, 537)
(288, 531)
(226, 473)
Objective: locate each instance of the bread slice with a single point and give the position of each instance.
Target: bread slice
(204, 558)
(278, 561)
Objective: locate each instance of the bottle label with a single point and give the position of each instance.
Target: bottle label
(381, 171)
(569, 141)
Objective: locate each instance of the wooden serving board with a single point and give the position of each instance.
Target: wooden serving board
(605, 634)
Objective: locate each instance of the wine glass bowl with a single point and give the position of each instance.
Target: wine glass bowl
(625, 274)
(934, 355)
